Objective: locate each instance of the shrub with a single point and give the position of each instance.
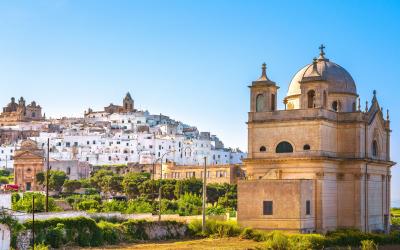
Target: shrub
(368, 245)
(114, 206)
(25, 204)
(216, 210)
(40, 246)
(87, 205)
(138, 206)
(79, 230)
(215, 228)
(189, 204)
(54, 236)
(306, 241)
(134, 230)
(277, 241)
(112, 233)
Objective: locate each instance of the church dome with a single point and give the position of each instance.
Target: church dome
(338, 79)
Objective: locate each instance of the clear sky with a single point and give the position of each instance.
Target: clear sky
(192, 60)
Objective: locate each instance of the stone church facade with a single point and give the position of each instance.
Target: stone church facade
(321, 164)
(28, 161)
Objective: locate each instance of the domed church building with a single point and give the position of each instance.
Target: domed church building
(322, 163)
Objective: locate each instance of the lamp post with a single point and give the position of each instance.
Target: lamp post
(159, 190)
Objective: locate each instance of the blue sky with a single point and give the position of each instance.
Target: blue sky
(192, 60)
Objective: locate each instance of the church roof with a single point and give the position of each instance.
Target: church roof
(322, 69)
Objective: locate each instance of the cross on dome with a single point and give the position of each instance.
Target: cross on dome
(321, 48)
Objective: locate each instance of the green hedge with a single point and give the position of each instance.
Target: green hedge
(85, 232)
(79, 230)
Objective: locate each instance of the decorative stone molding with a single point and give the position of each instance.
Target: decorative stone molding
(340, 176)
(319, 175)
(358, 176)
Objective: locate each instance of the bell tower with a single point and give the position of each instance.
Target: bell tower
(128, 103)
(263, 93)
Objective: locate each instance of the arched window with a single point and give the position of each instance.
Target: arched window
(284, 147)
(272, 102)
(354, 107)
(325, 100)
(263, 149)
(336, 106)
(311, 99)
(259, 103)
(374, 148)
(306, 147)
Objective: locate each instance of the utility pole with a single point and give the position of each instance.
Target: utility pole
(47, 175)
(33, 221)
(203, 221)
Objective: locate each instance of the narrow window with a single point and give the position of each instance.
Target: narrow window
(374, 148)
(325, 100)
(311, 99)
(308, 207)
(267, 208)
(272, 102)
(259, 103)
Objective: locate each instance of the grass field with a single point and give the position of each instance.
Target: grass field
(215, 244)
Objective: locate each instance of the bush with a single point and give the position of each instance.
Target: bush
(216, 210)
(112, 234)
(54, 236)
(114, 206)
(79, 230)
(277, 241)
(88, 205)
(25, 204)
(138, 206)
(306, 241)
(368, 245)
(189, 204)
(215, 228)
(40, 247)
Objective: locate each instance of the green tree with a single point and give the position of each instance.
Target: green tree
(86, 205)
(4, 172)
(98, 177)
(191, 185)
(139, 206)
(25, 203)
(40, 177)
(189, 204)
(70, 186)
(131, 183)
(214, 191)
(149, 189)
(56, 180)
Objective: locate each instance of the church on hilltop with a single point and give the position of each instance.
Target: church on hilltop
(127, 107)
(322, 163)
(16, 112)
